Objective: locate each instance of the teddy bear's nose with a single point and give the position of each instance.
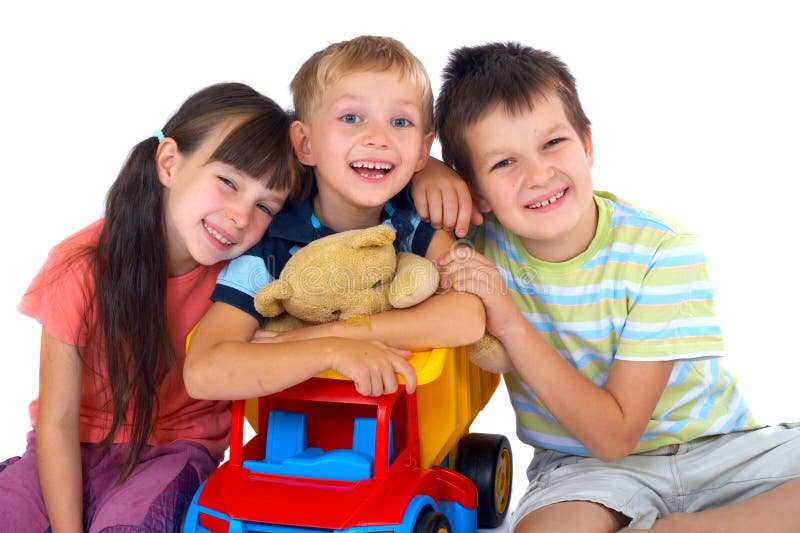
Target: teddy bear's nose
(336, 312)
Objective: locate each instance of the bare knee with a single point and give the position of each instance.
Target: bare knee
(576, 516)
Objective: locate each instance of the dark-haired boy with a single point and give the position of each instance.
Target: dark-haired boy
(607, 315)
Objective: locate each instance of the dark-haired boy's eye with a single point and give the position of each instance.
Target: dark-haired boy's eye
(265, 209)
(553, 142)
(502, 164)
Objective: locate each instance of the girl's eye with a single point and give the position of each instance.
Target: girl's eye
(265, 209)
(350, 118)
(502, 164)
(227, 182)
(401, 123)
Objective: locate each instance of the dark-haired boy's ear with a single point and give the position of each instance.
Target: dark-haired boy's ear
(427, 142)
(588, 148)
(479, 201)
(167, 155)
(298, 133)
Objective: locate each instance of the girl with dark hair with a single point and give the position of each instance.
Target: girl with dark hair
(118, 444)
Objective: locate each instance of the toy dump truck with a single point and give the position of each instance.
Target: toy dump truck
(327, 458)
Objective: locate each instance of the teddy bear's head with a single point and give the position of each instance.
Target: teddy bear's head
(341, 276)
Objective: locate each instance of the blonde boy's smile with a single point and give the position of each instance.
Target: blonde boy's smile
(534, 171)
(372, 170)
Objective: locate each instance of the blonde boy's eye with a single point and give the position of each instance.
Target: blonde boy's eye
(350, 118)
(401, 122)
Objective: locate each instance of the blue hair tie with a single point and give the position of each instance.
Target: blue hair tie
(158, 134)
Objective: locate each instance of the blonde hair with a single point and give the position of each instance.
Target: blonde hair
(364, 53)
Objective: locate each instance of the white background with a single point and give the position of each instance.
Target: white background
(694, 108)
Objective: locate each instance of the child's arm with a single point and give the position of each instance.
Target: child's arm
(222, 363)
(608, 420)
(442, 197)
(57, 434)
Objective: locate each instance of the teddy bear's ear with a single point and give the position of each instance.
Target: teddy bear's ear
(269, 297)
(379, 235)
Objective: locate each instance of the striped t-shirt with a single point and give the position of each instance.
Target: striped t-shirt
(640, 292)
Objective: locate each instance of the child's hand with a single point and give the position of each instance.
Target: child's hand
(443, 198)
(373, 366)
(465, 270)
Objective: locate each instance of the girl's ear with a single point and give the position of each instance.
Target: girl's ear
(298, 133)
(167, 156)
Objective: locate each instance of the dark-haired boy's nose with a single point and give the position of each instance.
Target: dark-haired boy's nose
(537, 172)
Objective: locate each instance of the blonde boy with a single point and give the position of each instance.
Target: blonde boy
(365, 127)
(607, 316)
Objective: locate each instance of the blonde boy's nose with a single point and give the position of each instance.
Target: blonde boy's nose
(376, 136)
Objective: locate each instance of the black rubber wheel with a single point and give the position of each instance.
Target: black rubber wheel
(430, 521)
(486, 460)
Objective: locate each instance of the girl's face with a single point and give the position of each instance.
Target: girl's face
(212, 211)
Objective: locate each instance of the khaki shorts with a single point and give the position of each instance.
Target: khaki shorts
(705, 473)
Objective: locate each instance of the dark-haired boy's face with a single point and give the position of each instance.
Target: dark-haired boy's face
(534, 171)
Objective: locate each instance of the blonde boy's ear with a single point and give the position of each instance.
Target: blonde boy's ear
(167, 156)
(298, 132)
(427, 142)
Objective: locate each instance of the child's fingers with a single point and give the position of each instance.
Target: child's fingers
(421, 204)
(466, 212)
(450, 208)
(457, 254)
(404, 368)
(434, 199)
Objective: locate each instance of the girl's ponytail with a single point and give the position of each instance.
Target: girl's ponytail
(131, 281)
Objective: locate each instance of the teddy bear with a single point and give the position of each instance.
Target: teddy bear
(354, 274)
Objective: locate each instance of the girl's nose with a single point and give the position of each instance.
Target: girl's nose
(239, 215)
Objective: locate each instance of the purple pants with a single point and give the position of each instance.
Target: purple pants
(153, 499)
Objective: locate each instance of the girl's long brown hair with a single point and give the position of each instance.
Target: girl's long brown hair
(130, 260)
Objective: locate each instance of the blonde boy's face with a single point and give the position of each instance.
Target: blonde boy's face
(534, 171)
(366, 137)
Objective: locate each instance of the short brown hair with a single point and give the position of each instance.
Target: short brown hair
(478, 78)
(364, 53)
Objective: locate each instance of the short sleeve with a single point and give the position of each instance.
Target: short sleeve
(672, 315)
(60, 294)
(239, 282)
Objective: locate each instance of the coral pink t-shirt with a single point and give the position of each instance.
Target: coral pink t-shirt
(57, 298)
